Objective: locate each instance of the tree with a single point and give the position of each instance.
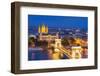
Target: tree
(72, 41)
(42, 43)
(31, 41)
(65, 41)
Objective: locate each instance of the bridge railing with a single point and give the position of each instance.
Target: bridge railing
(66, 52)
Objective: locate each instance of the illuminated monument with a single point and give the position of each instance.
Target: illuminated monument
(43, 34)
(43, 29)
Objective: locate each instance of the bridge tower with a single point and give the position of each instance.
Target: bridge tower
(57, 42)
(76, 52)
(57, 52)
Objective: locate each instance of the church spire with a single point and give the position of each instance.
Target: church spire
(39, 29)
(42, 29)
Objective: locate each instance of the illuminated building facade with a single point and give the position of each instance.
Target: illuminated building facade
(43, 34)
(43, 29)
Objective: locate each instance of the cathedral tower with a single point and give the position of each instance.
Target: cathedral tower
(42, 29)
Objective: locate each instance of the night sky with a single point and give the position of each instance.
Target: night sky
(58, 21)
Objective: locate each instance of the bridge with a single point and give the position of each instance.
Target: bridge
(75, 53)
(65, 52)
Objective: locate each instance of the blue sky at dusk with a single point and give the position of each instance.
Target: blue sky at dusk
(58, 21)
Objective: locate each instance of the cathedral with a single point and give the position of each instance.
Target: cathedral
(44, 35)
(43, 29)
